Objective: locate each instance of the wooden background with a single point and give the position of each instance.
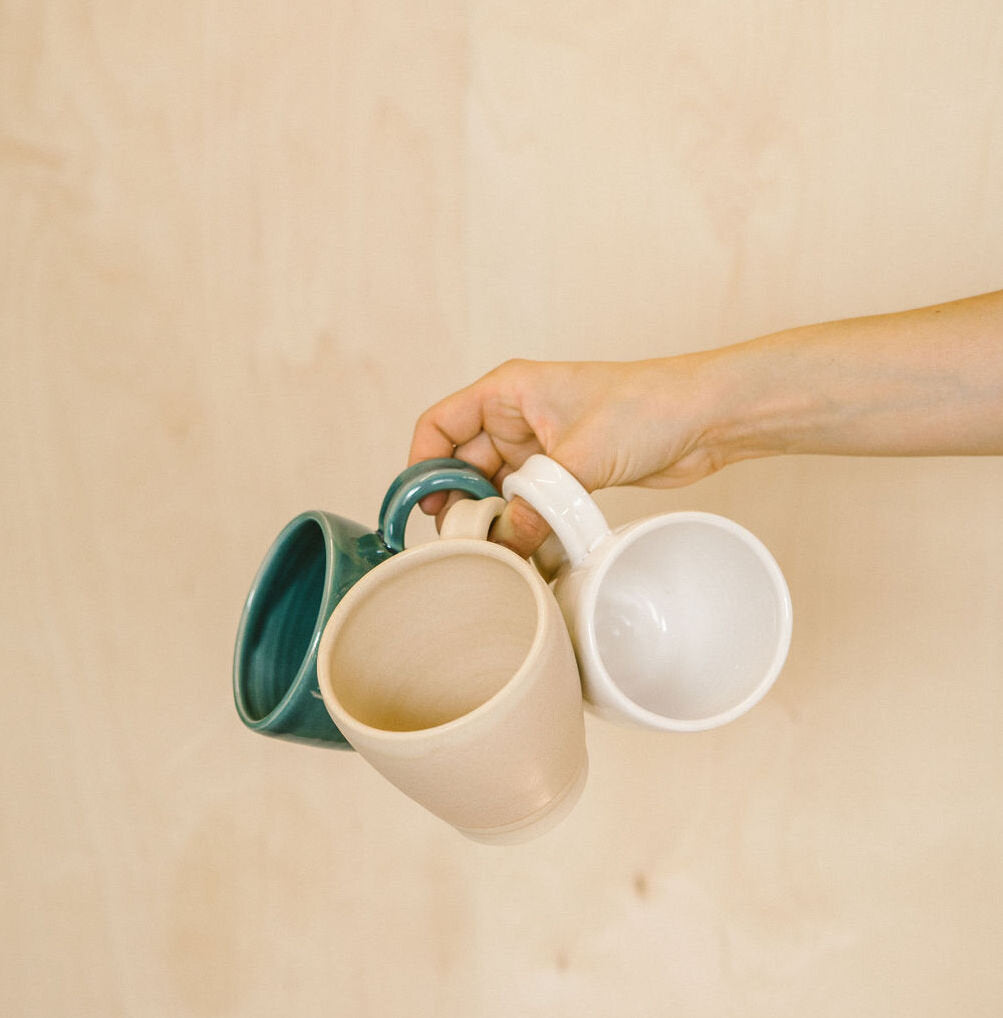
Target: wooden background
(243, 246)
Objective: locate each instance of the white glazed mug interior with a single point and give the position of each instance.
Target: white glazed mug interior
(687, 619)
(681, 621)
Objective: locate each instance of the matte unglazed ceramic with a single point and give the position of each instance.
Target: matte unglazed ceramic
(315, 560)
(680, 621)
(450, 670)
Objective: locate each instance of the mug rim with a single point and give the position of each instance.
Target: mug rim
(409, 559)
(285, 702)
(608, 551)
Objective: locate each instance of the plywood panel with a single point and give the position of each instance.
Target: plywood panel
(242, 248)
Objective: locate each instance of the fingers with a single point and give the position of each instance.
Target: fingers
(487, 425)
(440, 430)
(520, 527)
(449, 423)
(481, 452)
(456, 426)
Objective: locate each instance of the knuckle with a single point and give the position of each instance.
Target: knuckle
(425, 419)
(515, 366)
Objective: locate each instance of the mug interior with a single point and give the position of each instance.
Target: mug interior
(283, 619)
(690, 618)
(428, 638)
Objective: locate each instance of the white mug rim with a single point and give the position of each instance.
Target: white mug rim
(607, 552)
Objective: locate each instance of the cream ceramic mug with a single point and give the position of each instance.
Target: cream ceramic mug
(449, 668)
(680, 621)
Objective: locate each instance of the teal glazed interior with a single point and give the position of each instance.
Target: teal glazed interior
(288, 602)
(308, 568)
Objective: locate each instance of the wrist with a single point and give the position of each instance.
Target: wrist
(752, 406)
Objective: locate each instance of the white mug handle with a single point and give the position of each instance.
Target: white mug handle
(562, 502)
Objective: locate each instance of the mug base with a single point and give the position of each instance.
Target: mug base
(537, 823)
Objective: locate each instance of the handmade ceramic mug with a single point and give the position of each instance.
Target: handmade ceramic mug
(680, 621)
(310, 566)
(450, 670)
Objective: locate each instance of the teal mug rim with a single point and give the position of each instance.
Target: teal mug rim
(269, 720)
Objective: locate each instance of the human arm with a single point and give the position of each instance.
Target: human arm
(923, 382)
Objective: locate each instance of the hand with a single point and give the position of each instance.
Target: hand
(607, 423)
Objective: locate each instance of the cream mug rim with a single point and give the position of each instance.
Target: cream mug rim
(410, 559)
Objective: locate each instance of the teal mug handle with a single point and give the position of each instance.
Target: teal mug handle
(422, 479)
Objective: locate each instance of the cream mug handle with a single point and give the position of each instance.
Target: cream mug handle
(472, 517)
(566, 506)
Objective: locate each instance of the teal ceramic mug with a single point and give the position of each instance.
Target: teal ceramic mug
(310, 566)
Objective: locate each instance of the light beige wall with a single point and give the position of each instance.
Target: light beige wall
(243, 246)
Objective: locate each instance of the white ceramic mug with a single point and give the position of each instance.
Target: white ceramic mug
(449, 668)
(680, 621)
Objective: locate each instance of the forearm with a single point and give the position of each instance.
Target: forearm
(924, 382)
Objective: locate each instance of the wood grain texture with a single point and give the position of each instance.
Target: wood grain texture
(243, 246)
